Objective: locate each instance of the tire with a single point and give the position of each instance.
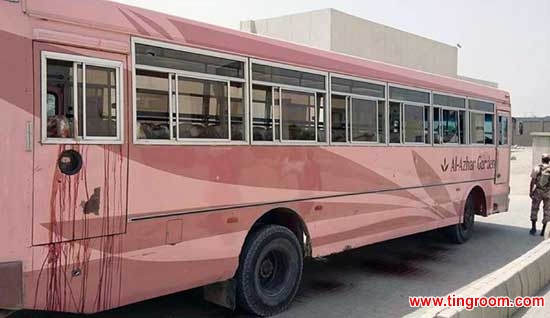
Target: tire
(270, 271)
(462, 232)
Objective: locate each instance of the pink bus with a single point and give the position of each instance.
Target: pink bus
(143, 154)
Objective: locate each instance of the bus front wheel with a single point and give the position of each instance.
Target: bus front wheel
(270, 271)
(460, 233)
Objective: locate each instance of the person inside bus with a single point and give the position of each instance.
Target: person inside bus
(539, 191)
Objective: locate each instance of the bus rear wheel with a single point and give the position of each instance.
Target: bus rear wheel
(270, 271)
(462, 232)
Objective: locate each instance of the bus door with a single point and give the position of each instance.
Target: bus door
(80, 158)
(502, 172)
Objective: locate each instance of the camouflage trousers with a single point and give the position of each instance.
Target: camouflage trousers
(540, 196)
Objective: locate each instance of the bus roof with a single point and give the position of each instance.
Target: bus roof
(133, 21)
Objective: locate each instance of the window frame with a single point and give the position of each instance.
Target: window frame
(280, 88)
(466, 119)
(350, 112)
(347, 101)
(495, 118)
(117, 65)
(402, 115)
(349, 97)
(508, 126)
(173, 74)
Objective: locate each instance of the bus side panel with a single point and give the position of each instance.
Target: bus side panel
(16, 153)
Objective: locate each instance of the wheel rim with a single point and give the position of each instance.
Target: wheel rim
(272, 272)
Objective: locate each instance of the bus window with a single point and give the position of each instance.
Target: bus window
(427, 130)
(97, 113)
(462, 127)
(60, 118)
(395, 122)
(321, 115)
(481, 128)
(488, 128)
(382, 121)
(298, 112)
(51, 104)
(413, 118)
(364, 115)
(262, 112)
(101, 102)
(339, 118)
(450, 126)
(237, 112)
(203, 109)
(152, 105)
(437, 125)
(503, 130)
(366, 121)
(298, 115)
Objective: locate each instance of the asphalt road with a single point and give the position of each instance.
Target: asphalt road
(376, 281)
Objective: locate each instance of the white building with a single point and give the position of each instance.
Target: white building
(334, 30)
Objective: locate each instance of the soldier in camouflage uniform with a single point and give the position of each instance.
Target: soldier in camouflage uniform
(540, 193)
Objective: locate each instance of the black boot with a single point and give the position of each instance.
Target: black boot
(533, 228)
(543, 229)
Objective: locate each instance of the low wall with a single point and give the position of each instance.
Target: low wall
(525, 276)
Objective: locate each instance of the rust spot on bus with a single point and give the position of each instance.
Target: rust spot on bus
(232, 220)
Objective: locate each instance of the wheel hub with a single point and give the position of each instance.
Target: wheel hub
(266, 268)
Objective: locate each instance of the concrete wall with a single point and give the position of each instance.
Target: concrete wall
(530, 125)
(364, 38)
(311, 28)
(478, 81)
(334, 30)
(541, 145)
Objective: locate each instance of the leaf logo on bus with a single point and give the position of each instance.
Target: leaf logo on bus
(445, 165)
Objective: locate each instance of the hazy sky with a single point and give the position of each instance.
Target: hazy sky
(506, 41)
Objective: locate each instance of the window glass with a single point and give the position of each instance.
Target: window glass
(477, 130)
(339, 118)
(97, 100)
(404, 94)
(152, 105)
(395, 122)
(203, 109)
(60, 119)
(101, 102)
(489, 129)
(413, 118)
(343, 85)
(437, 125)
(382, 121)
(462, 127)
(51, 104)
(298, 115)
(450, 126)
(450, 101)
(503, 130)
(262, 120)
(481, 106)
(427, 131)
(481, 128)
(187, 61)
(237, 112)
(271, 74)
(321, 115)
(364, 115)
